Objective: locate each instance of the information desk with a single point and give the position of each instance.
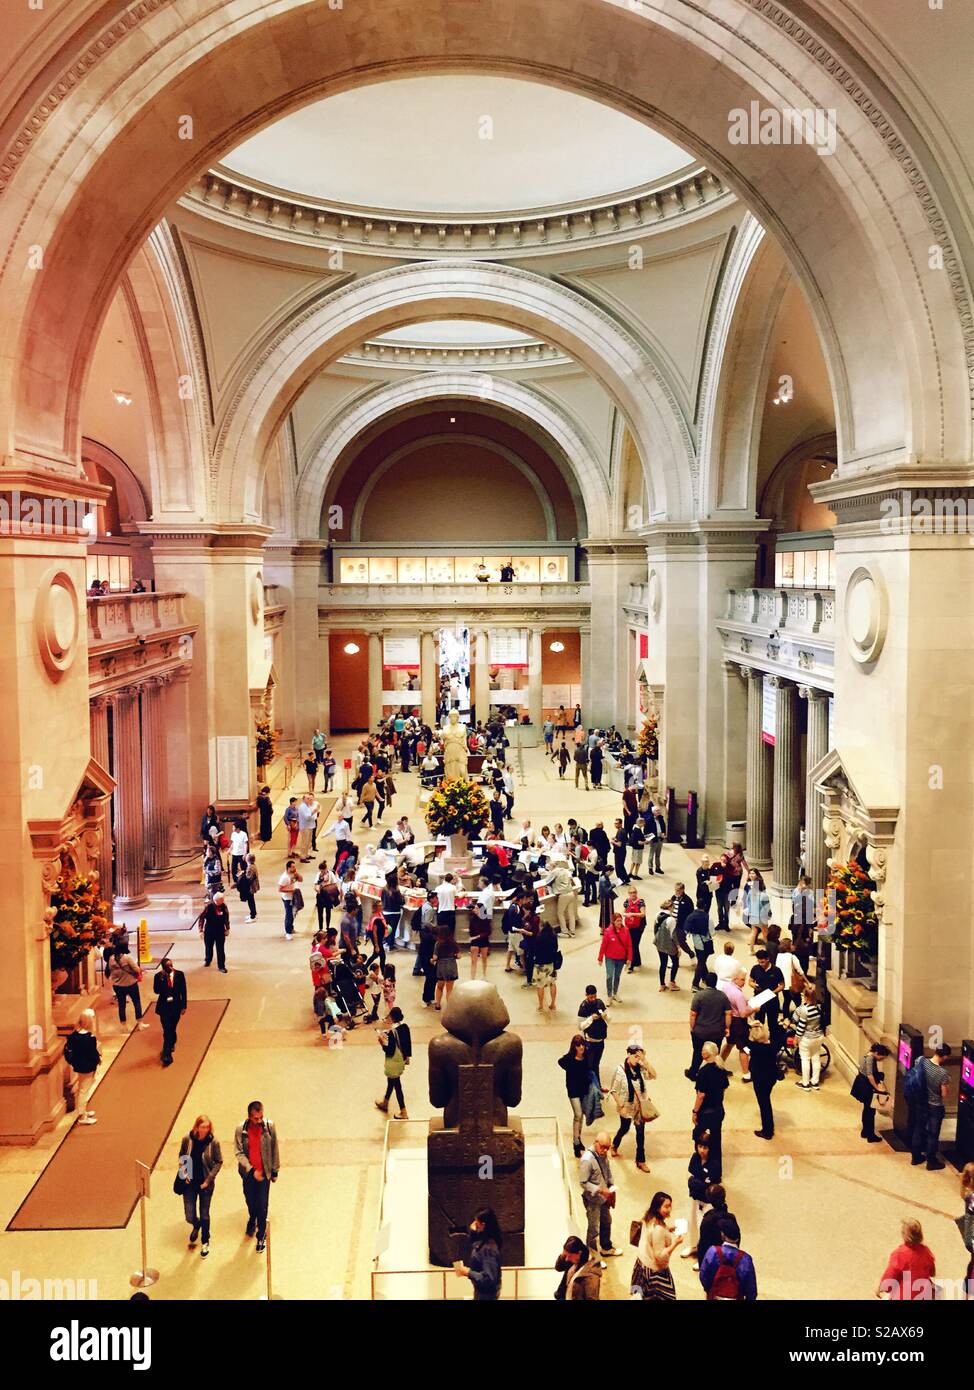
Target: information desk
(370, 890)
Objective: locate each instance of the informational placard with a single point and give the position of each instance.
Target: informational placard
(831, 719)
(769, 711)
(232, 767)
(400, 653)
(555, 695)
(508, 646)
(508, 697)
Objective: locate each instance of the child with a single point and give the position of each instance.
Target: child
(373, 989)
(388, 989)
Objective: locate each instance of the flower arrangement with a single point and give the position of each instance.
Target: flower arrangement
(851, 911)
(458, 807)
(76, 921)
(266, 741)
(647, 745)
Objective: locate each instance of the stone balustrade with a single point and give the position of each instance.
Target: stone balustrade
(440, 596)
(784, 610)
(116, 618)
(784, 632)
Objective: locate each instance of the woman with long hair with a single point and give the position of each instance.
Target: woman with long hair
(445, 954)
(200, 1160)
(328, 894)
(628, 1090)
(651, 1275)
(483, 1267)
(545, 965)
(756, 908)
(578, 1077)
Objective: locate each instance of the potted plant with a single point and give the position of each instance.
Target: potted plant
(851, 915)
(266, 743)
(459, 810)
(647, 745)
(76, 923)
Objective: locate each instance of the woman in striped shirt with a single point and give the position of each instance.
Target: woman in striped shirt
(807, 1021)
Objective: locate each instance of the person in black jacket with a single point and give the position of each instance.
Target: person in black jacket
(214, 923)
(577, 1066)
(599, 841)
(397, 1047)
(170, 988)
(710, 1232)
(83, 1057)
(764, 1074)
(484, 1258)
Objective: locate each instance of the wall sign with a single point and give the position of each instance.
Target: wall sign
(400, 653)
(232, 767)
(769, 710)
(508, 646)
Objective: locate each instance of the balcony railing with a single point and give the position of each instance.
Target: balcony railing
(118, 617)
(452, 595)
(808, 612)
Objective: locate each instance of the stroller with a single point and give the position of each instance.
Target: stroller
(346, 989)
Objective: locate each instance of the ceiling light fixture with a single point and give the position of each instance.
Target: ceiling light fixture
(122, 397)
(557, 647)
(351, 647)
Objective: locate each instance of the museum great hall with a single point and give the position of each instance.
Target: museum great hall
(610, 354)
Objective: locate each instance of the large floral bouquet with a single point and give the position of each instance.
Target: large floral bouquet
(266, 741)
(458, 807)
(76, 921)
(647, 745)
(851, 910)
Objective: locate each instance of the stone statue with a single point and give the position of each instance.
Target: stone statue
(475, 1153)
(453, 735)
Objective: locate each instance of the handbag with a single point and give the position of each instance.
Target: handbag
(647, 1109)
(297, 900)
(882, 1101)
(635, 1232)
(862, 1089)
(179, 1185)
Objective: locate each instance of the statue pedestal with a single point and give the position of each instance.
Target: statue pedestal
(458, 860)
(474, 1165)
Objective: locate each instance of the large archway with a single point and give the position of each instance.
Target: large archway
(100, 146)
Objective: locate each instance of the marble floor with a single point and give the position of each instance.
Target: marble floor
(819, 1209)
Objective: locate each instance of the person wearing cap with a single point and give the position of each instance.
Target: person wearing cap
(214, 923)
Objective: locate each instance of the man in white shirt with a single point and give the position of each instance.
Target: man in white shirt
(343, 836)
(307, 817)
(724, 964)
(446, 897)
(508, 792)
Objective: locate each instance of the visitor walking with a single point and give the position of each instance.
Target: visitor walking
(397, 1048)
(483, 1267)
(82, 1055)
(248, 886)
(577, 1066)
(265, 815)
(634, 917)
(593, 1025)
(615, 949)
(124, 976)
(633, 1102)
(598, 1195)
(727, 1272)
(200, 1161)
(214, 923)
(911, 1269)
(581, 1272)
(652, 1277)
(708, 1105)
(258, 1163)
(807, 1022)
(287, 886)
(763, 1070)
(171, 1001)
(710, 1021)
(667, 948)
(546, 956)
(445, 953)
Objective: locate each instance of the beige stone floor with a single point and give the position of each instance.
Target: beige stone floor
(818, 1208)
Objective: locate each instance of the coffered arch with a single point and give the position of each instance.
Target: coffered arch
(566, 440)
(332, 323)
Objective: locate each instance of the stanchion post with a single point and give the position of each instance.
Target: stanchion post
(145, 1277)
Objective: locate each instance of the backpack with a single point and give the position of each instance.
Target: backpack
(915, 1084)
(726, 1283)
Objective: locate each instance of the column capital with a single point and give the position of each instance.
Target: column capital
(750, 673)
(736, 668)
(813, 694)
(782, 682)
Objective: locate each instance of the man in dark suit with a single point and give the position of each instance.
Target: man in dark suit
(496, 813)
(599, 841)
(170, 988)
(655, 835)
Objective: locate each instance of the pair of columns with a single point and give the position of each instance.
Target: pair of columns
(141, 823)
(775, 795)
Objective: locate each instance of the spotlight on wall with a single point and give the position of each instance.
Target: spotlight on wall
(351, 648)
(556, 647)
(453, 419)
(122, 397)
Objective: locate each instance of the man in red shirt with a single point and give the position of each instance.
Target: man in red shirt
(258, 1162)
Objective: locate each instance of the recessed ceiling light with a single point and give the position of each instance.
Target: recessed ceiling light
(557, 647)
(453, 419)
(351, 648)
(122, 397)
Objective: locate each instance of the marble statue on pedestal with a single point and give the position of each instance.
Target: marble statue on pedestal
(453, 736)
(475, 1154)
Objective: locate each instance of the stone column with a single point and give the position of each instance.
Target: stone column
(584, 671)
(734, 781)
(481, 694)
(785, 833)
(758, 792)
(155, 780)
(375, 679)
(535, 688)
(129, 854)
(324, 681)
(98, 718)
(427, 677)
(816, 749)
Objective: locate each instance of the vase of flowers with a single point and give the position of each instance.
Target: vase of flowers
(76, 923)
(647, 745)
(851, 914)
(266, 744)
(459, 810)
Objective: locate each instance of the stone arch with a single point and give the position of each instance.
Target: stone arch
(332, 323)
(94, 154)
(582, 474)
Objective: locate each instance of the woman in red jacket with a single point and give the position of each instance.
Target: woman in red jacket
(911, 1269)
(616, 950)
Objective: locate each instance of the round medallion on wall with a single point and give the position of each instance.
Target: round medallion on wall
(654, 595)
(256, 596)
(866, 615)
(57, 622)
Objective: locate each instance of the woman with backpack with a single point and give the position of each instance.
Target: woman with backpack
(200, 1160)
(652, 1277)
(667, 946)
(546, 955)
(124, 976)
(83, 1057)
(248, 884)
(628, 1090)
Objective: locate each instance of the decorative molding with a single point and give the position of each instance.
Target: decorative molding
(57, 622)
(866, 611)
